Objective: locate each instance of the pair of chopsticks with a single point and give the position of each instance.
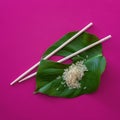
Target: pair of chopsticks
(22, 76)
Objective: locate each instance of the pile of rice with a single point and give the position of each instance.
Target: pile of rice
(74, 74)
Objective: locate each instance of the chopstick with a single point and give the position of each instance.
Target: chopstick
(52, 53)
(73, 54)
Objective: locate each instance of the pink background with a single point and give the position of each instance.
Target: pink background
(27, 29)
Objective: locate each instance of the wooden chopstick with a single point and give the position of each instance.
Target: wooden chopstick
(52, 53)
(73, 54)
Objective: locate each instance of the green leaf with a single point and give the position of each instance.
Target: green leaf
(49, 76)
(80, 42)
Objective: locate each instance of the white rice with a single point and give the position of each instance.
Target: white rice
(74, 74)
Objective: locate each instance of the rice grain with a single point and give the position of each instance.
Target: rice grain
(74, 74)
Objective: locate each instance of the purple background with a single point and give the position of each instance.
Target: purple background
(27, 29)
